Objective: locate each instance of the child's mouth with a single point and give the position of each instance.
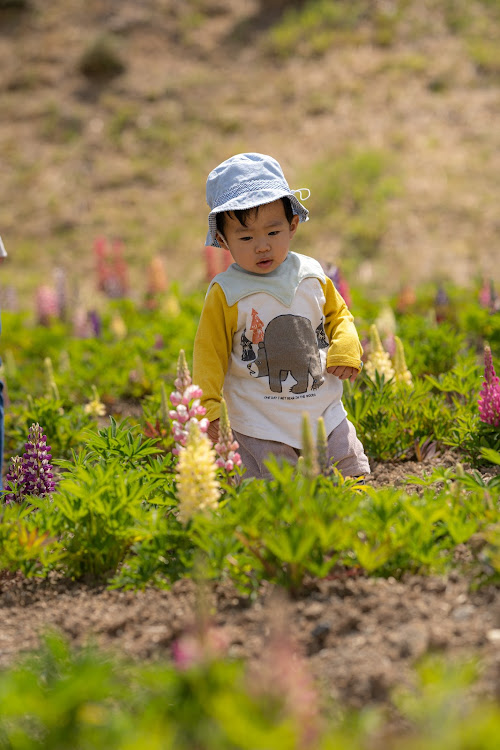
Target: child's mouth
(265, 263)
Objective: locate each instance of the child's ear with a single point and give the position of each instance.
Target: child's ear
(221, 240)
(294, 224)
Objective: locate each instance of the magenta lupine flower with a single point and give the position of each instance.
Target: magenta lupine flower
(31, 474)
(488, 296)
(227, 446)
(489, 398)
(186, 403)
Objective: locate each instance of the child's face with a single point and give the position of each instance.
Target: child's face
(263, 244)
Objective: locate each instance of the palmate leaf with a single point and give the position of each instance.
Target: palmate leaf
(373, 555)
(119, 441)
(491, 455)
(290, 545)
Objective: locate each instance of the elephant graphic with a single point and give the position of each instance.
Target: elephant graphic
(290, 345)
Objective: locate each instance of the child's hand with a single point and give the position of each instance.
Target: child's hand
(344, 373)
(213, 431)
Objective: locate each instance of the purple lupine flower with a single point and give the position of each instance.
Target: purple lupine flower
(489, 398)
(14, 479)
(38, 476)
(31, 474)
(339, 282)
(95, 322)
(441, 304)
(186, 400)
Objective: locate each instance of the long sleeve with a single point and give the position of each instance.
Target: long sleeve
(212, 348)
(345, 348)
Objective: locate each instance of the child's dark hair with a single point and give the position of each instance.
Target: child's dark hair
(242, 214)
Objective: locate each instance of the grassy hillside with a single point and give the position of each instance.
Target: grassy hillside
(113, 113)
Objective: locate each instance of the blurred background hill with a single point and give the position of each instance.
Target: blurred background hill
(114, 111)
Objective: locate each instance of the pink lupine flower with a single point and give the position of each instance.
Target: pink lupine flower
(227, 259)
(102, 268)
(227, 446)
(489, 398)
(334, 273)
(488, 297)
(81, 325)
(282, 674)
(192, 649)
(406, 298)
(47, 304)
(211, 268)
(61, 284)
(157, 282)
(111, 268)
(186, 403)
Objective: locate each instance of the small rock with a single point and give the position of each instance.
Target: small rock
(313, 611)
(493, 635)
(463, 612)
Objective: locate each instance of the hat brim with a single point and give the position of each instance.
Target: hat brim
(251, 200)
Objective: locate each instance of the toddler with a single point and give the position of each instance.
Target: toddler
(275, 337)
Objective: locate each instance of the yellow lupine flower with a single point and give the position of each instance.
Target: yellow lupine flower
(309, 466)
(197, 486)
(322, 446)
(95, 407)
(378, 361)
(402, 373)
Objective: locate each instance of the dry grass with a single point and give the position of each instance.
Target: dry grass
(128, 156)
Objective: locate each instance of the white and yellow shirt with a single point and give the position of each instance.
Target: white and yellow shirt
(266, 341)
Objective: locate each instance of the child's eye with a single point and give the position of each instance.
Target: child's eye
(276, 231)
(245, 239)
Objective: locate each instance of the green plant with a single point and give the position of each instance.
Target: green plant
(101, 59)
(99, 512)
(352, 192)
(24, 546)
(61, 697)
(65, 427)
(436, 347)
(281, 530)
(396, 422)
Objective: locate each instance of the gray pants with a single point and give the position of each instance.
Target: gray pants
(345, 451)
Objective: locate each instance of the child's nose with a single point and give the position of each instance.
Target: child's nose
(262, 244)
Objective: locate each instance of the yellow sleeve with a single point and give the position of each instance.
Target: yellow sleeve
(345, 347)
(212, 347)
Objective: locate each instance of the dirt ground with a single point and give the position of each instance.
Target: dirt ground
(128, 157)
(360, 636)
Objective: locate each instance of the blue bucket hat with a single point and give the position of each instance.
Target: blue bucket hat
(246, 181)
